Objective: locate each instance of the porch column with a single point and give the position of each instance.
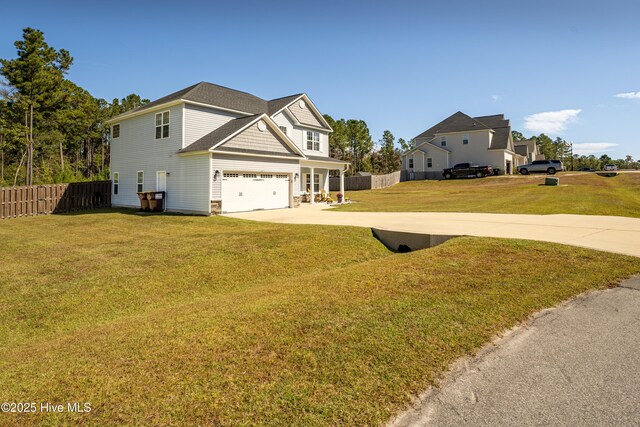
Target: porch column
(326, 182)
(312, 185)
(342, 183)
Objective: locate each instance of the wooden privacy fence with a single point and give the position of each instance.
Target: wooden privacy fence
(353, 183)
(54, 198)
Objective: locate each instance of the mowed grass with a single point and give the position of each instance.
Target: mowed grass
(179, 321)
(579, 193)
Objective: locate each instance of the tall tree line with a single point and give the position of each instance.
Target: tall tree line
(351, 141)
(51, 130)
(562, 149)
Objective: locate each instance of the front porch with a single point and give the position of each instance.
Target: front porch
(314, 182)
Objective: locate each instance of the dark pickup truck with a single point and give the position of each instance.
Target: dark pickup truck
(464, 170)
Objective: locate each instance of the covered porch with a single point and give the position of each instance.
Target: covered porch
(314, 179)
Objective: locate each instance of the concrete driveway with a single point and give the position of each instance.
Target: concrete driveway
(605, 233)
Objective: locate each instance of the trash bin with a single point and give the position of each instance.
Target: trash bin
(156, 201)
(144, 202)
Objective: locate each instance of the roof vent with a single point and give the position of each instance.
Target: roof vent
(262, 126)
(302, 104)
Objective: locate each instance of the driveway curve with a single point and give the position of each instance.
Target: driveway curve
(606, 233)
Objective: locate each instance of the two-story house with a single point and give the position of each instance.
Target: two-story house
(528, 148)
(485, 140)
(215, 149)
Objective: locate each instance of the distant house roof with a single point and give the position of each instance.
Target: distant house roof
(460, 122)
(522, 149)
(529, 143)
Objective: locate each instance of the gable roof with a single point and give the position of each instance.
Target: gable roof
(521, 149)
(460, 122)
(220, 134)
(278, 104)
(529, 143)
(225, 98)
(213, 139)
(457, 122)
(214, 95)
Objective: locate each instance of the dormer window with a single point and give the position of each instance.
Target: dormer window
(162, 125)
(443, 141)
(465, 139)
(283, 129)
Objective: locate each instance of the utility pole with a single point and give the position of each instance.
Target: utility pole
(571, 148)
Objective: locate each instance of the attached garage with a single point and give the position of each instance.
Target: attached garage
(247, 191)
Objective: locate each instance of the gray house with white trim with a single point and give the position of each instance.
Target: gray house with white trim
(460, 138)
(215, 150)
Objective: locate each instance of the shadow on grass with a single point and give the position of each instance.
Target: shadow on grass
(124, 211)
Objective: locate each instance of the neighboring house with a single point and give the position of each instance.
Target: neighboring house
(528, 148)
(215, 149)
(460, 138)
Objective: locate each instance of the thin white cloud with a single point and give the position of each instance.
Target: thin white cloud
(495, 97)
(628, 95)
(552, 122)
(587, 148)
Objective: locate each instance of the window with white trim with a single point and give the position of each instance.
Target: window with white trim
(443, 141)
(410, 162)
(115, 131)
(116, 182)
(266, 175)
(282, 176)
(162, 125)
(140, 181)
(230, 175)
(429, 162)
(283, 129)
(313, 140)
(249, 175)
(316, 182)
(465, 139)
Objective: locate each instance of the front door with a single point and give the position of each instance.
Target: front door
(161, 181)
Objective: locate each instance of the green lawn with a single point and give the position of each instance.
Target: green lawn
(579, 193)
(177, 321)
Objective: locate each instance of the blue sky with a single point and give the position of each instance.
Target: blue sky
(553, 66)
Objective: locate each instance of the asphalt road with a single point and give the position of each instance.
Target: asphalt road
(575, 365)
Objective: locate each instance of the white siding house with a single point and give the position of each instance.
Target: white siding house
(460, 138)
(214, 149)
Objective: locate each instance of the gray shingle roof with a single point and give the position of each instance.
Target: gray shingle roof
(211, 94)
(211, 139)
(522, 149)
(529, 143)
(460, 122)
(279, 103)
(457, 122)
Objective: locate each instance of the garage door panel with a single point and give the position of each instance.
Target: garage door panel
(246, 191)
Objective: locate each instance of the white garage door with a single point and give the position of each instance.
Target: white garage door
(248, 191)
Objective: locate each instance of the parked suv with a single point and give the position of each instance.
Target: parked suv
(610, 167)
(546, 166)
